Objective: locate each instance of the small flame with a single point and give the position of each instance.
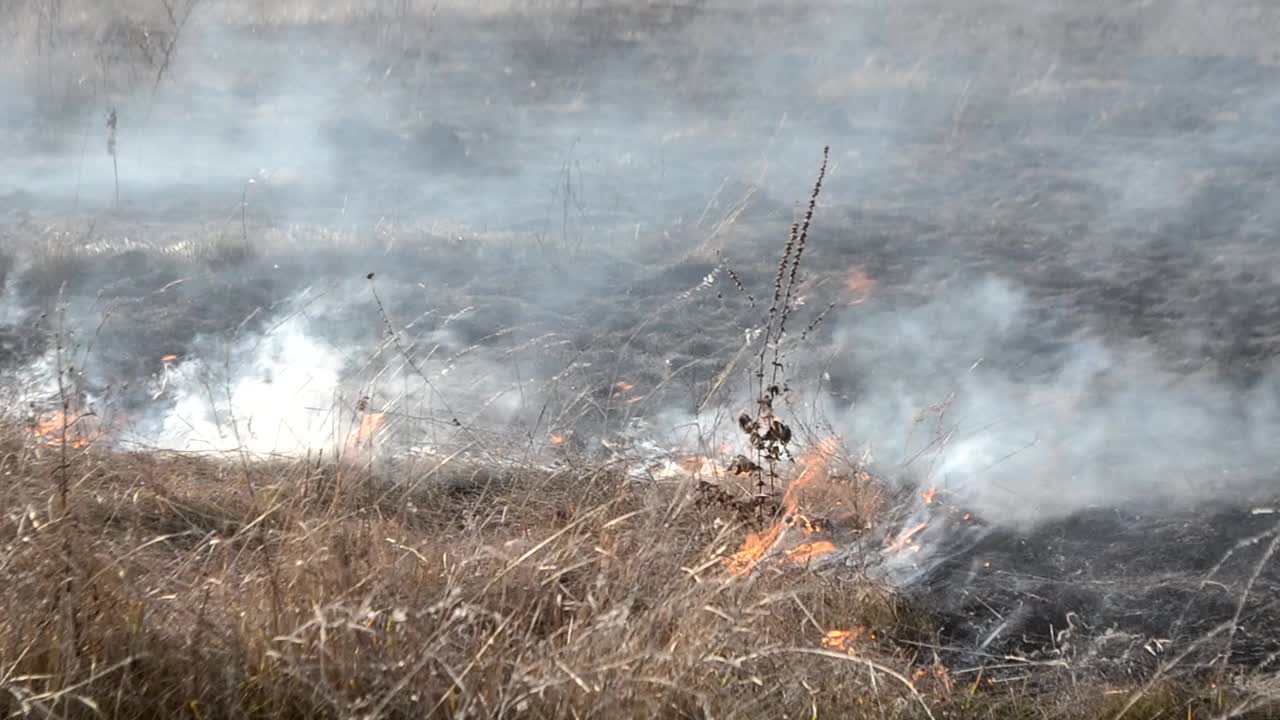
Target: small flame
(905, 538)
(929, 495)
(620, 390)
(370, 424)
(811, 551)
(557, 439)
(758, 545)
(168, 359)
(753, 550)
(843, 640)
(861, 285)
(81, 431)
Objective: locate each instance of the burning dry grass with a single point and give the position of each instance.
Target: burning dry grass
(180, 587)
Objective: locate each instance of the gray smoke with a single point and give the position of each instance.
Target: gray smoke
(946, 404)
(1068, 206)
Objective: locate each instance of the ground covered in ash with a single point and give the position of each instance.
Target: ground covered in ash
(1112, 593)
(581, 237)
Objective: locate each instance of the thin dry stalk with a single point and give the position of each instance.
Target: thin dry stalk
(112, 121)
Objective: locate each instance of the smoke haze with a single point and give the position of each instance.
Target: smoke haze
(1068, 208)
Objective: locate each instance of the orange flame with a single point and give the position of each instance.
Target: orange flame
(168, 359)
(758, 545)
(557, 439)
(81, 431)
(905, 538)
(929, 495)
(370, 424)
(811, 551)
(843, 640)
(622, 389)
(861, 285)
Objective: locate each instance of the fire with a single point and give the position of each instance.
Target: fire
(624, 388)
(860, 285)
(370, 423)
(905, 538)
(758, 545)
(167, 359)
(81, 431)
(810, 551)
(700, 466)
(843, 640)
(929, 495)
(935, 673)
(557, 439)
(753, 550)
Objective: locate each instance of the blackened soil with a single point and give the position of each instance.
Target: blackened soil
(1115, 593)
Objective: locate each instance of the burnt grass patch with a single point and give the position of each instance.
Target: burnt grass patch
(1111, 593)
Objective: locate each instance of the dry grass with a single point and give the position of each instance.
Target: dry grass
(184, 587)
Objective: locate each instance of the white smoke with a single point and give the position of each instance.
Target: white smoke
(282, 396)
(943, 406)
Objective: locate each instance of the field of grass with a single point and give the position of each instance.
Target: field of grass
(171, 586)
(377, 168)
